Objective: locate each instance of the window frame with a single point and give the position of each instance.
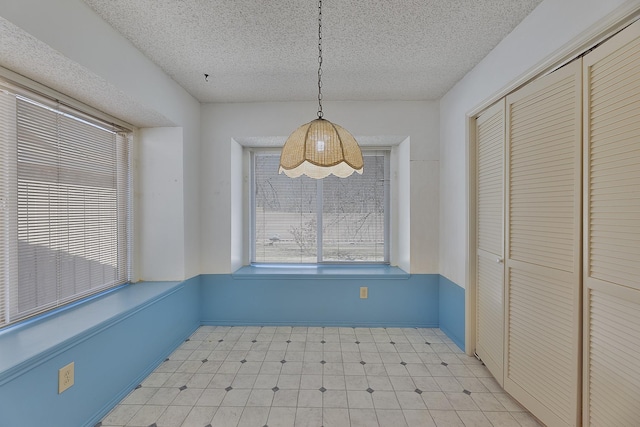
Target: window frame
(382, 150)
(32, 93)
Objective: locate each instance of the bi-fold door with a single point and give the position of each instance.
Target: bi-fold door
(611, 371)
(490, 238)
(572, 245)
(543, 246)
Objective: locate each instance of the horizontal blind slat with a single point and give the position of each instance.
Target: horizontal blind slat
(71, 209)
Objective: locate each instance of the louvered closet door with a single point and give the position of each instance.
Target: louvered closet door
(490, 238)
(612, 232)
(542, 271)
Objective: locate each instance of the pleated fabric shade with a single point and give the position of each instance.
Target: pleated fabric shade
(318, 149)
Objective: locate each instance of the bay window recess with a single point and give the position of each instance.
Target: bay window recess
(65, 208)
(309, 221)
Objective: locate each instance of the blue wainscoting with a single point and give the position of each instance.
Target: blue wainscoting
(299, 298)
(451, 307)
(115, 341)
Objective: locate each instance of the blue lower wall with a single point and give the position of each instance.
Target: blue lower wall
(118, 339)
(451, 310)
(110, 358)
(411, 301)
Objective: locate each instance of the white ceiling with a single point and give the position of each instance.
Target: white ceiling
(266, 50)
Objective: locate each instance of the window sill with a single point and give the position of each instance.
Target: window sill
(281, 271)
(29, 343)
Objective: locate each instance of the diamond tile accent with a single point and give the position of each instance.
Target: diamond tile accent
(337, 378)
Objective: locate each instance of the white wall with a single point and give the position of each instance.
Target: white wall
(539, 37)
(223, 122)
(71, 28)
(160, 151)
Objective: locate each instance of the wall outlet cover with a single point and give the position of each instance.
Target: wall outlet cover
(66, 377)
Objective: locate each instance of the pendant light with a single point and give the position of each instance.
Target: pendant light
(320, 148)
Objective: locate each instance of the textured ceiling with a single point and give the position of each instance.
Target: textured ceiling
(261, 50)
(24, 54)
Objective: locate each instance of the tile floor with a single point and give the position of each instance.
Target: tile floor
(298, 376)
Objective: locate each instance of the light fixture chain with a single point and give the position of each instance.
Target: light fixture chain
(320, 114)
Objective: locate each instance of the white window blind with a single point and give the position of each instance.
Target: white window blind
(332, 220)
(65, 210)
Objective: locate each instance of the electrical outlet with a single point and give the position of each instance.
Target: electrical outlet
(65, 377)
(364, 292)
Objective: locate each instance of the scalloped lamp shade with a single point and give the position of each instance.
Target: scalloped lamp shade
(320, 148)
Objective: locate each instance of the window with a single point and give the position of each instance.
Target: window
(332, 220)
(64, 208)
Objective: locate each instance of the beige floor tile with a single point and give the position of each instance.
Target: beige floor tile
(146, 416)
(310, 399)
(502, 419)
(227, 417)
(281, 417)
(335, 417)
(334, 399)
(359, 399)
(199, 416)
(385, 400)
(363, 418)
(446, 419)
(308, 417)
(418, 418)
(260, 397)
(410, 400)
(174, 416)
(462, 401)
(390, 418)
(121, 414)
(253, 417)
(230, 381)
(474, 419)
